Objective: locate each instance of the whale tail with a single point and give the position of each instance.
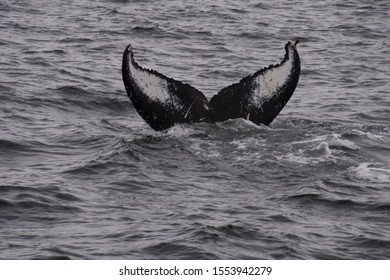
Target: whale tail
(163, 102)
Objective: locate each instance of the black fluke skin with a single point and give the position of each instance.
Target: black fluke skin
(255, 97)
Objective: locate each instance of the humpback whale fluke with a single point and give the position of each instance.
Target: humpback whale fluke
(163, 102)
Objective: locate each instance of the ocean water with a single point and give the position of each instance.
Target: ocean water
(82, 176)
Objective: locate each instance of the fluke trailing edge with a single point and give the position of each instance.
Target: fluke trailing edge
(163, 102)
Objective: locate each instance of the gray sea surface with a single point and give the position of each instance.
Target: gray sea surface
(82, 176)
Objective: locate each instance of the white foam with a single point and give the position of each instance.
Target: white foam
(345, 143)
(305, 157)
(333, 140)
(311, 151)
(316, 139)
(180, 130)
(248, 143)
(369, 135)
(324, 146)
(295, 158)
(240, 124)
(205, 149)
(366, 171)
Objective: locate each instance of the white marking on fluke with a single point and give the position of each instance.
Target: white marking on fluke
(189, 108)
(270, 81)
(151, 85)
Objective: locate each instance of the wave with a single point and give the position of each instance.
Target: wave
(35, 202)
(76, 99)
(371, 172)
(7, 146)
(175, 250)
